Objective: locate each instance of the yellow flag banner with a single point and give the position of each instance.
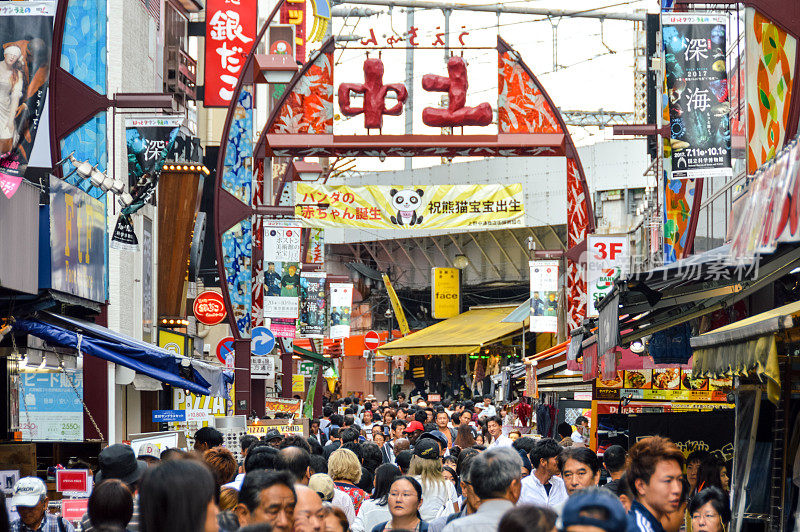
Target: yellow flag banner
(410, 207)
(402, 322)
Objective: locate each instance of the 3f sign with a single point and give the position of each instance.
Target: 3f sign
(607, 250)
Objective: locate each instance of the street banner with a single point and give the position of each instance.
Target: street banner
(544, 296)
(286, 406)
(445, 293)
(146, 139)
(341, 301)
(315, 253)
(26, 31)
(230, 34)
(422, 207)
(308, 407)
(402, 322)
(284, 426)
(282, 243)
(609, 257)
(697, 86)
(312, 305)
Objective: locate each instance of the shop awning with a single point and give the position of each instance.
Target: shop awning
(747, 346)
(519, 314)
(92, 339)
(311, 356)
(464, 334)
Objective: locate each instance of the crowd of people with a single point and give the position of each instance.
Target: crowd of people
(400, 467)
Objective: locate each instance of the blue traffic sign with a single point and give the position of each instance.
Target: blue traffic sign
(262, 341)
(168, 416)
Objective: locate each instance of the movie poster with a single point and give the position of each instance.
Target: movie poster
(26, 30)
(544, 296)
(312, 305)
(341, 301)
(697, 86)
(146, 139)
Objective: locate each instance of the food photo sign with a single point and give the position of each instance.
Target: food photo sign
(671, 384)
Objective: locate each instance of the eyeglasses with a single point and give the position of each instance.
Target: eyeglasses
(403, 494)
(705, 517)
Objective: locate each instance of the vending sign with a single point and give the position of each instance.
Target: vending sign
(230, 33)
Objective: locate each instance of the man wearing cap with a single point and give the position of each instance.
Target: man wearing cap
(273, 437)
(30, 499)
(593, 509)
(118, 461)
(413, 431)
(323, 485)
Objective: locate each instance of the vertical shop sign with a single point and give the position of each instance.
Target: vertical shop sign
(312, 305)
(147, 278)
(282, 245)
(341, 301)
(315, 254)
(445, 293)
(50, 405)
(294, 12)
(146, 140)
(608, 259)
(697, 86)
(399, 314)
(308, 406)
(26, 31)
(544, 296)
(230, 32)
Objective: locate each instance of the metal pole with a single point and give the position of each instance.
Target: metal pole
(409, 82)
(594, 13)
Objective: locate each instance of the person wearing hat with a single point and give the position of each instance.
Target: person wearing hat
(273, 437)
(118, 461)
(413, 431)
(326, 489)
(593, 509)
(439, 496)
(438, 437)
(30, 499)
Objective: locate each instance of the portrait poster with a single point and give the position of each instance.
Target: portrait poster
(282, 250)
(697, 87)
(341, 301)
(312, 305)
(544, 296)
(26, 33)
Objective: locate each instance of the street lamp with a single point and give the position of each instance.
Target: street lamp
(389, 314)
(461, 261)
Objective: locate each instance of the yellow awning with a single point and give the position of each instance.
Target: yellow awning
(464, 334)
(747, 346)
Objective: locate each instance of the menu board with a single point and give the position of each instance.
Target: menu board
(662, 384)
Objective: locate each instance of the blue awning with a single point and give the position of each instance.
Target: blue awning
(92, 339)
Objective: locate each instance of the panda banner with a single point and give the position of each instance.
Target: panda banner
(410, 207)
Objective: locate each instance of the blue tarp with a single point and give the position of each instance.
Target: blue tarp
(144, 358)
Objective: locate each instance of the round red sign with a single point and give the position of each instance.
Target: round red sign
(209, 309)
(372, 340)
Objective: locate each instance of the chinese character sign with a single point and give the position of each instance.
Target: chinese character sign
(293, 12)
(146, 140)
(412, 207)
(282, 242)
(230, 33)
(608, 258)
(50, 405)
(341, 301)
(312, 305)
(544, 296)
(697, 87)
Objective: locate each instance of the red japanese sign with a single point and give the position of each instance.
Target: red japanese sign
(74, 509)
(294, 12)
(230, 33)
(209, 309)
(73, 480)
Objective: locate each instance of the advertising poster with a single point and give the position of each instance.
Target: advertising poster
(146, 139)
(315, 254)
(341, 301)
(544, 296)
(230, 33)
(312, 305)
(697, 86)
(49, 407)
(282, 243)
(422, 207)
(608, 259)
(200, 409)
(26, 31)
(77, 242)
(445, 291)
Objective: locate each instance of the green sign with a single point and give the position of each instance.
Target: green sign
(309, 369)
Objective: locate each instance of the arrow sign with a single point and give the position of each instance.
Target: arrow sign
(262, 341)
(225, 348)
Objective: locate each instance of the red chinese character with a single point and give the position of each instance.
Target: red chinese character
(374, 213)
(412, 36)
(362, 213)
(438, 40)
(371, 40)
(455, 85)
(374, 92)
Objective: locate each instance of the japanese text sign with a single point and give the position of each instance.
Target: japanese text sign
(230, 33)
(697, 85)
(341, 301)
(403, 208)
(282, 245)
(544, 296)
(445, 292)
(608, 258)
(75, 482)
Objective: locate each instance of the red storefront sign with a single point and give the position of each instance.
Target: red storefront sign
(294, 12)
(230, 33)
(73, 480)
(74, 509)
(209, 309)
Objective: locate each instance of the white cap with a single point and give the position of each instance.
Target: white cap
(28, 491)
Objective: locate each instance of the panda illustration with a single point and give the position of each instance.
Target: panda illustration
(406, 202)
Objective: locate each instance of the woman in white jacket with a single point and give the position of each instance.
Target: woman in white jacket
(375, 510)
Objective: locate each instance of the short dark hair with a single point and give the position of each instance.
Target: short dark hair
(260, 457)
(403, 460)
(718, 500)
(208, 435)
(564, 430)
(327, 411)
(371, 456)
(314, 446)
(528, 518)
(294, 440)
(645, 455)
(614, 458)
(246, 441)
(463, 462)
(496, 419)
(697, 455)
(318, 464)
(356, 448)
(583, 455)
(421, 416)
(544, 449)
(295, 460)
(174, 496)
(524, 444)
(349, 419)
(111, 503)
(581, 419)
(455, 417)
(348, 435)
(397, 422)
(337, 419)
(367, 406)
(256, 481)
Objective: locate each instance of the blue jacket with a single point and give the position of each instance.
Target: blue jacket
(423, 527)
(641, 520)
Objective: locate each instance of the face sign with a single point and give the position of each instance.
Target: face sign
(276, 507)
(494, 429)
(663, 492)
(578, 476)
